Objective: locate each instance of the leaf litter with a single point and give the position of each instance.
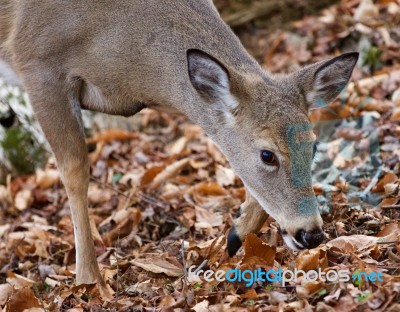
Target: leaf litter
(163, 199)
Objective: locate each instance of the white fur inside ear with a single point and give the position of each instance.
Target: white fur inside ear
(211, 80)
(227, 105)
(330, 79)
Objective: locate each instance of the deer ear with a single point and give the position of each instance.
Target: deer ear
(322, 82)
(211, 80)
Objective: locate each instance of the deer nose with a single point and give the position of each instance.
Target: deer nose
(310, 239)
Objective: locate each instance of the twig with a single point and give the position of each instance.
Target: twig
(117, 278)
(266, 9)
(392, 256)
(373, 182)
(185, 277)
(389, 242)
(37, 294)
(391, 207)
(146, 198)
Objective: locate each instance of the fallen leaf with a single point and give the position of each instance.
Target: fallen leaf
(206, 219)
(3, 229)
(177, 146)
(309, 259)
(308, 288)
(23, 199)
(250, 294)
(112, 135)
(18, 281)
(353, 242)
(389, 229)
(47, 178)
(22, 299)
(45, 270)
(389, 177)
(225, 176)
(5, 292)
(166, 302)
(170, 171)
(4, 195)
(96, 195)
(345, 303)
(158, 265)
(202, 306)
(150, 174)
(396, 114)
(256, 247)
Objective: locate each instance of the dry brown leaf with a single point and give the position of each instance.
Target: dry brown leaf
(133, 177)
(389, 201)
(5, 292)
(202, 306)
(349, 134)
(346, 303)
(353, 242)
(366, 11)
(158, 265)
(178, 146)
(308, 259)
(250, 294)
(166, 302)
(3, 229)
(389, 229)
(112, 135)
(47, 178)
(23, 199)
(108, 276)
(170, 171)
(22, 299)
(225, 176)
(4, 195)
(51, 282)
(41, 248)
(256, 247)
(207, 189)
(121, 215)
(389, 177)
(45, 270)
(96, 195)
(378, 106)
(206, 219)
(150, 174)
(209, 195)
(18, 281)
(215, 153)
(396, 114)
(340, 228)
(309, 288)
(124, 227)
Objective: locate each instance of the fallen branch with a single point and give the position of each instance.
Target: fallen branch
(287, 10)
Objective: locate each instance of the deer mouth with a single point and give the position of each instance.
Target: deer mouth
(303, 240)
(291, 242)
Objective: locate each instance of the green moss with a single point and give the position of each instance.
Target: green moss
(22, 150)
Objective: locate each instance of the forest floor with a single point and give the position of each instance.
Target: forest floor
(163, 199)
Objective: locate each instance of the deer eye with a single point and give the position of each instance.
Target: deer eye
(269, 158)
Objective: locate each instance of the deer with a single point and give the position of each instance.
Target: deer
(118, 57)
